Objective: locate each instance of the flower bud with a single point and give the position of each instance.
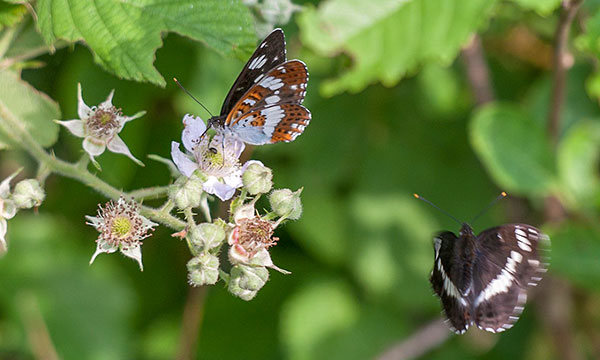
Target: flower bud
(186, 192)
(286, 203)
(206, 236)
(245, 281)
(203, 270)
(28, 193)
(257, 178)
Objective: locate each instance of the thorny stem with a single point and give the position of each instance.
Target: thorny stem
(10, 125)
(205, 208)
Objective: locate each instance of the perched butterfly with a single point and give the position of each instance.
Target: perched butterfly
(264, 103)
(483, 279)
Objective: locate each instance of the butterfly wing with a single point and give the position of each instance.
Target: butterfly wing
(270, 111)
(446, 285)
(269, 54)
(271, 124)
(508, 262)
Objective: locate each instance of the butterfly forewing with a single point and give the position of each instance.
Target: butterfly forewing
(508, 263)
(269, 54)
(285, 84)
(484, 279)
(446, 282)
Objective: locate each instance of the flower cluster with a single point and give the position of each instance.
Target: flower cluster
(209, 169)
(26, 194)
(212, 166)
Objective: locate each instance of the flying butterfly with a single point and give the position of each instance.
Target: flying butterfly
(483, 279)
(264, 105)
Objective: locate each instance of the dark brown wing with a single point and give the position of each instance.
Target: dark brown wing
(456, 307)
(269, 54)
(508, 260)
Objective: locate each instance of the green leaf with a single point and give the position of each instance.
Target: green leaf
(125, 35)
(514, 149)
(577, 161)
(542, 7)
(31, 109)
(575, 249)
(389, 38)
(315, 312)
(10, 14)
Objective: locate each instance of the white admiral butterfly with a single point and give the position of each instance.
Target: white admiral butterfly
(264, 103)
(483, 279)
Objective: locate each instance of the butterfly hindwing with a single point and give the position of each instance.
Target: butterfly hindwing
(509, 262)
(446, 282)
(269, 54)
(285, 84)
(272, 123)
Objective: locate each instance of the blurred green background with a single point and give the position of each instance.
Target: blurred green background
(393, 113)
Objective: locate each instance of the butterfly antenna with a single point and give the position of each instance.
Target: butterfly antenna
(435, 206)
(192, 96)
(501, 196)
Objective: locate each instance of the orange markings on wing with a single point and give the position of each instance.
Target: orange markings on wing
(293, 77)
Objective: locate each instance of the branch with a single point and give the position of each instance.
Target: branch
(561, 60)
(423, 340)
(193, 314)
(477, 71)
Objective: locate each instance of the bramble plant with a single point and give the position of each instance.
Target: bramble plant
(210, 175)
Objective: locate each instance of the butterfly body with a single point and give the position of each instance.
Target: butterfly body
(483, 279)
(264, 105)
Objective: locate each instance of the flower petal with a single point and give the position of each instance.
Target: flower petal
(222, 191)
(75, 126)
(134, 252)
(3, 228)
(93, 148)
(125, 119)
(8, 208)
(193, 130)
(234, 179)
(5, 184)
(82, 109)
(95, 221)
(117, 145)
(109, 98)
(185, 165)
(263, 258)
(103, 247)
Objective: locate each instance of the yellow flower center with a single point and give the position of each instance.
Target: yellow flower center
(215, 159)
(121, 226)
(105, 118)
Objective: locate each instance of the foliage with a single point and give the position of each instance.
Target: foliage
(394, 113)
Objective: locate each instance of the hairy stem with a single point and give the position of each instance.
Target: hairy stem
(11, 126)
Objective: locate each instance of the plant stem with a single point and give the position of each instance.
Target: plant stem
(154, 192)
(14, 128)
(567, 14)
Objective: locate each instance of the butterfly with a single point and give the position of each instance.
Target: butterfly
(483, 279)
(264, 105)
